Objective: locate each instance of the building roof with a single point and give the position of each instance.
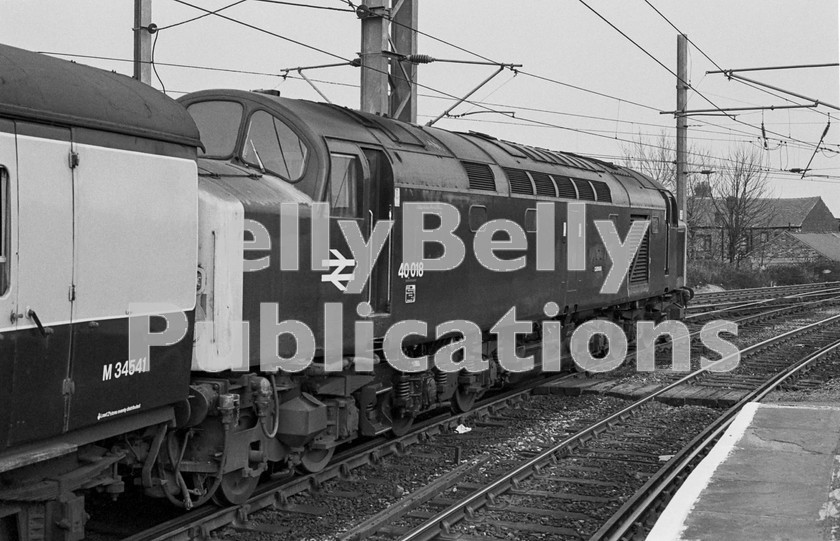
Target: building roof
(827, 244)
(782, 213)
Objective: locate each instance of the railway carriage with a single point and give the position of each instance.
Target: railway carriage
(113, 210)
(98, 191)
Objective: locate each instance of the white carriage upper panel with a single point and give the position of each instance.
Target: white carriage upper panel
(136, 228)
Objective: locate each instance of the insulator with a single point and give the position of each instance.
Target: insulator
(420, 59)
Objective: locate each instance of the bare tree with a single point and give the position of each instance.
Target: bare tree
(740, 194)
(657, 159)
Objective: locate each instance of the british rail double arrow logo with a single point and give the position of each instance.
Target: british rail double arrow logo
(336, 277)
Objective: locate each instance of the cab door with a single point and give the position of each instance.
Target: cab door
(380, 207)
(40, 389)
(360, 188)
(8, 269)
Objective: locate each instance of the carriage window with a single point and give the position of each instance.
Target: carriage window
(345, 190)
(5, 226)
(273, 147)
(218, 124)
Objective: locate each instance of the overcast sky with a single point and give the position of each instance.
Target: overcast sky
(561, 40)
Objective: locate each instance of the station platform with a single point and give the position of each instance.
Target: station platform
(774, 475)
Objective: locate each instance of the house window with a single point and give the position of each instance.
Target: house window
(705, 243)
(764, 236)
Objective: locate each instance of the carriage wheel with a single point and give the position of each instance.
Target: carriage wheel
(315, 460)
(235, 489)
(463, 400)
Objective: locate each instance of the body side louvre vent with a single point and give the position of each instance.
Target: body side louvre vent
(641, 263)
(584, 189)
(602, 191)
(565, 188)
(519, 181)
(480, 176)
(543, 183)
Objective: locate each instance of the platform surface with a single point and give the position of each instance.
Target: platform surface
(774, 475)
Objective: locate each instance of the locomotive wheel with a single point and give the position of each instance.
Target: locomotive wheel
(463, 401)
(315, 460)
(401, 425)
(235, 489)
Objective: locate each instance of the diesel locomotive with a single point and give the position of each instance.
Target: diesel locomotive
(243, 218)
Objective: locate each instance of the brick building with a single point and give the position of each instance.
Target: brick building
(789, 248)
(708, 238)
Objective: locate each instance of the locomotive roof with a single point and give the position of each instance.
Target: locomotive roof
(421, 147)
(45, 89)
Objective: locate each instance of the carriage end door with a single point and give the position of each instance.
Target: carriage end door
(40, 385)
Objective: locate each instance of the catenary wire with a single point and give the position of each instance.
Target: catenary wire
(296, 4)
(167, 27)
(263, 30)
(608, 22)
(443, 97)
(747, 83)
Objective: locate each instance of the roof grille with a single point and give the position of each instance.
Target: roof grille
(565, 188)
(584, 189)
(481, 176)
(519, 181)
(544, 184)
(602, 191)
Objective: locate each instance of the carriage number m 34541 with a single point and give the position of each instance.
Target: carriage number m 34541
(125, 368)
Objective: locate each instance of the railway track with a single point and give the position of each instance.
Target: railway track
(708, 311)
(276, 494)
(640, 512)
(759, 292)
(764, 309)
(507, 507)
(280, 494)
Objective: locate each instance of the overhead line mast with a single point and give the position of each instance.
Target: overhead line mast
(388, 85)
(682, 122)
(143, 41)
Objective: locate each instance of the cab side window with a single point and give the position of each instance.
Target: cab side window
(273, 147)
(218, 123)
(345, 191)
(5, 230)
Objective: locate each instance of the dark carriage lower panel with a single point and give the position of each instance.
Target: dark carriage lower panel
(33, 369)
(108, 384)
